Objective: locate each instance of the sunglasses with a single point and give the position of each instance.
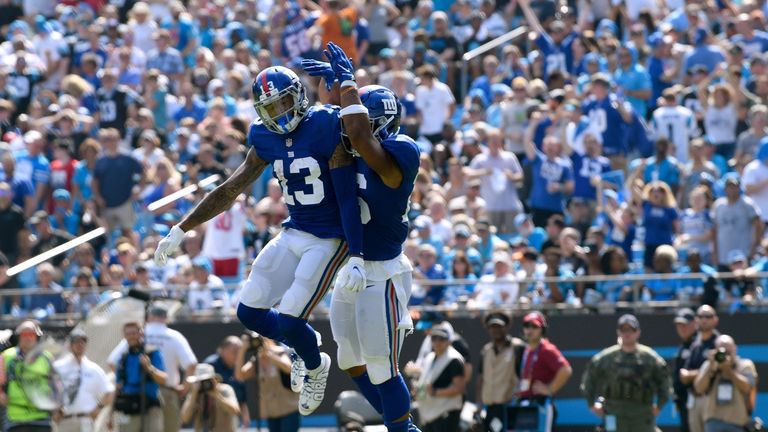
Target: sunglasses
(706, 316)
(438, 339)
(627, 330)
(530, 326)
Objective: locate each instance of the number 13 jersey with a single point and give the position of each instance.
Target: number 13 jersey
(300, 163)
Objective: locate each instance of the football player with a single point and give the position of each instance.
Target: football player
(296, 268)
(369, 325)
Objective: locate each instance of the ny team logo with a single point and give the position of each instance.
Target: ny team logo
(390, 106)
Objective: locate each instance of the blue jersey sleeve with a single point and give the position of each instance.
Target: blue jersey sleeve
(406, 154)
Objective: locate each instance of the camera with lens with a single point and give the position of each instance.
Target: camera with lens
(207, 385)
(255, 340)
(720, 355)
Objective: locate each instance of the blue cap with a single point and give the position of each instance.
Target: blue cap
(500, 89)
(520, 219)
(387, 53)
(204, 263)
(735, 256)
(606, 25)
(61, 194)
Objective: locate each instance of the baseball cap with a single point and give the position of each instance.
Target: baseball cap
(521, 219)
(630, 320)
(536, 318)
(61, 194)
(159, 311)
(685, 316)
(387, 53)
(497, 318)
(501, 257)
(736, 256)
(77, 333)
(462, 231)
(204, 263)
(441, 330)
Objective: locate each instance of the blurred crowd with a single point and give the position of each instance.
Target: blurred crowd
(609, 138)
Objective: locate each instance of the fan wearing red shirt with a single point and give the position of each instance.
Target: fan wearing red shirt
(62, 168)
(543, 369)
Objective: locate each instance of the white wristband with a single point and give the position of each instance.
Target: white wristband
(353, 109)
(348, 83)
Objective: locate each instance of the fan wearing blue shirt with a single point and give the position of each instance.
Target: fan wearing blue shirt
(660, 218)
(555, 45)
(588, 166)
(662, 167)
(753, 42)
(608, 117)
(552, 176)
(633, 80)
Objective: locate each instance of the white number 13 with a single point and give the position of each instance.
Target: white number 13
(312, 179)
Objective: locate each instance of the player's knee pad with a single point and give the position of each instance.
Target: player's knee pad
(380, 369)
(262, 321)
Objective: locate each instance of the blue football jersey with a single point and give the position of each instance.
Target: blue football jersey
(295, 42)
(300, 163)
(384, 210)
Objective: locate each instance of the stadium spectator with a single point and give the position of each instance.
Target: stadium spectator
(500, 173)
(552, 176)
(230, 362)
(114, 178)
(205, 287)
(498, 288)
(12, 220)
(435, 103)
(750, 140)
(734, 215)
(47, 237)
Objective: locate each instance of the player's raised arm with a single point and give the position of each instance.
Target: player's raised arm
(217, 201)
(344, 178)
(357, 124)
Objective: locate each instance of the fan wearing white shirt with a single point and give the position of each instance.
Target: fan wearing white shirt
(205, 287)
(435, 103)
(223, 242)
(499, 288)
(676, 123)
(87, 390)
(177, 355)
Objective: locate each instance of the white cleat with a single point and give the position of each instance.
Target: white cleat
(313, 391)
(298, 371)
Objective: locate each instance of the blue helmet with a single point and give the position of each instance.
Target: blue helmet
(384, 110)
(280, 99)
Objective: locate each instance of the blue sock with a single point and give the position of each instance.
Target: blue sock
(302, 338)
(263, 321)
(369, 390)
(396, 402)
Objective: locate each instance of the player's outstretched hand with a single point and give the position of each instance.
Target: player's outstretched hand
(351, 277)
(340, 63)
(168, 245)
(320, 69)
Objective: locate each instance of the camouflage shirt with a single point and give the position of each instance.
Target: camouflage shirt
(627, 380)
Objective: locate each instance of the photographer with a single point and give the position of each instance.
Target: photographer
(139, 375)
(727, 381)
(277, 403)
(177, 355)
(229, 362)
(211, 405)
